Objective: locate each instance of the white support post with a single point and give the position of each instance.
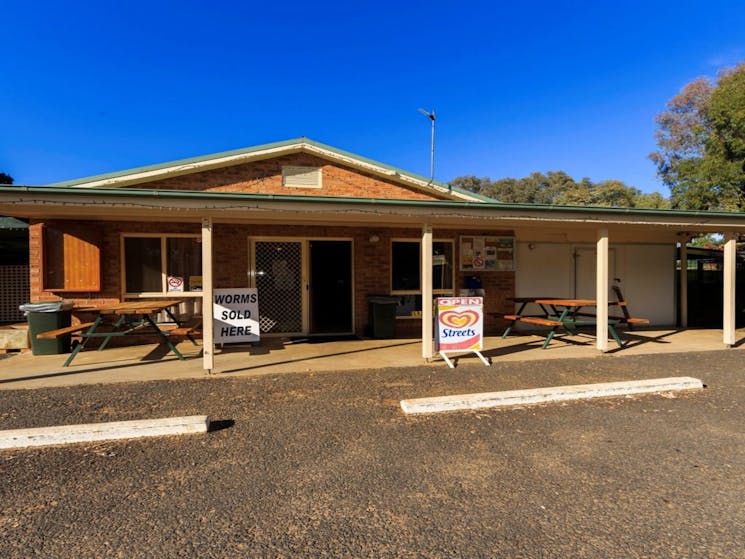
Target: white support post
(730, 258)
(208, 340)
(684, 284)
(427, 342)
(601, 291)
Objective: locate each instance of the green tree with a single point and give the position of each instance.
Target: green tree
(5, 179)
(615, 194)
(724, 157)
(651, 200)
(559, 189)
(701, 140)
(470, 183)
(707, 241)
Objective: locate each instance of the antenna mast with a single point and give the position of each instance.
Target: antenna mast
(431, 116)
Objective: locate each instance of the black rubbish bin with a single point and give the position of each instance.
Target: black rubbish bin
(382, 316)
(43, 317)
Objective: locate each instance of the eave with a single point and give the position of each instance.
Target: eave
(191, 206)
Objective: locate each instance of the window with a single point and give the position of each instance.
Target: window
(405, 266)
(159, 264)
(406, 273)
(301, 177)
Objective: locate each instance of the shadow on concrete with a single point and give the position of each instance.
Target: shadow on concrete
(91, 369)
(315, 357)
(630, 339)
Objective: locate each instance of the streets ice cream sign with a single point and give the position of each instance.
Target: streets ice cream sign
(460, 324)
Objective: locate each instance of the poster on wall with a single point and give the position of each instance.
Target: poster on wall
(487, 254)
(236, 315)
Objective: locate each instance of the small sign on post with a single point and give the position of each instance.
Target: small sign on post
(236, 315)
(460, 326)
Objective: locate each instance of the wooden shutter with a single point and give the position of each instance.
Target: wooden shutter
(71, 259)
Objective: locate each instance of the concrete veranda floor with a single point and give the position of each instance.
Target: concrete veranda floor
(276, 356)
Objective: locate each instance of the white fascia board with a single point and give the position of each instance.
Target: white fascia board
(383, 171)
(176, 170)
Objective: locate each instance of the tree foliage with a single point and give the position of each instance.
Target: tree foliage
(559, 189)
(5, 178)
(701, 141)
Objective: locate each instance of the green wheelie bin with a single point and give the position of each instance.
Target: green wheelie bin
(43, 317)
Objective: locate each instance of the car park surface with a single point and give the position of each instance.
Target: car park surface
(325, 464)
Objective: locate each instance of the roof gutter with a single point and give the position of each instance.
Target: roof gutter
(76, 192)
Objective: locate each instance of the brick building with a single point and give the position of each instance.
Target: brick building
(318, 231)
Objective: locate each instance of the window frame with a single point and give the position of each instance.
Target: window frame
(163, 265)
(419, 291)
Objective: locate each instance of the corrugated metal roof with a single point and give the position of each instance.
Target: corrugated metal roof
(12, 223)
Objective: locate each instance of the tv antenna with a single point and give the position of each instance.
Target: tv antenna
(431, 116)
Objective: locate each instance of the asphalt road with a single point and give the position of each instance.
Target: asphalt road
(326, 465)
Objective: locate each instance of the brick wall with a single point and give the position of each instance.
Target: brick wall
(265, 177)
(372, 263)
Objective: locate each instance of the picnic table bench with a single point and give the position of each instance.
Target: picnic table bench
(52, 334)
(191, 326)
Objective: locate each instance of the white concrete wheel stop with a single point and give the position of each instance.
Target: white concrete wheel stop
(68, 434)
(513, 398)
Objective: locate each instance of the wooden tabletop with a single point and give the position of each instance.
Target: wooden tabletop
(568, 302)
(143, 306)
(527, 299)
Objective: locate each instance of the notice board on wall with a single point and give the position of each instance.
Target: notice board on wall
(480, 253)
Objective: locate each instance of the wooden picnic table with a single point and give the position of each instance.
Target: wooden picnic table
(125, 318)
(566, 314)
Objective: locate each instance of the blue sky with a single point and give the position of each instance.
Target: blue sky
(94, 87)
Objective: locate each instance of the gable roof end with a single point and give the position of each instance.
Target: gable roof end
(186, 166)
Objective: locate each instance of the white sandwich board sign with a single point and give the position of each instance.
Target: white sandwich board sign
(236, 315)
(460, 326)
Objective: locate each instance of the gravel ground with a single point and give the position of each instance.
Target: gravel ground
(326, 465)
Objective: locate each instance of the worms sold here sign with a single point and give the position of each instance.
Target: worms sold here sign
(236, 315)
(460, 324)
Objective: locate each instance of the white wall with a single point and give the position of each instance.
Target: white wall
(648, 281)
(647, 274)
(544, 270)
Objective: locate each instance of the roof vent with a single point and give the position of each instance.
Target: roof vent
(301, 177)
